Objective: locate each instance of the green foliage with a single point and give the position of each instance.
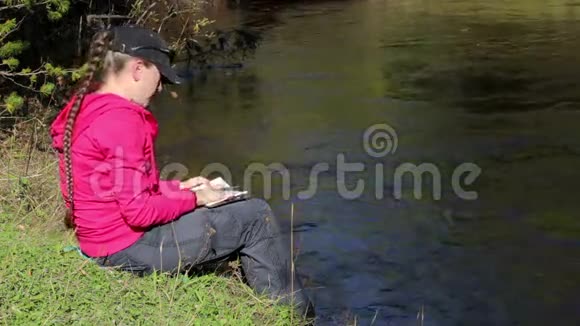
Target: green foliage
(47, 88)
(54, 71)
(79, 73)
(57, 8)
(12, 63)
(7, 27)
(13, 102)
(33, 79)
(13, 48)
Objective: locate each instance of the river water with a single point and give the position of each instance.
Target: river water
(492, 83)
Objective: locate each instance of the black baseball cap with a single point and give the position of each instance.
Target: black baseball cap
(148, 45)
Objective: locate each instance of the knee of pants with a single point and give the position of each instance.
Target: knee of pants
(252, 211)
(254, 208)
(255, 211)
(263, 209)
(259, 203)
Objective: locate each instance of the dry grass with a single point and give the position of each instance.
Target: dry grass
(29, 192)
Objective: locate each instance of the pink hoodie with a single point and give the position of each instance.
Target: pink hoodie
(117, 191)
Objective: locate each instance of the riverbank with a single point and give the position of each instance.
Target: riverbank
(41, 283)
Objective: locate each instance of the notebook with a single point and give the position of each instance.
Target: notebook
(230, 193)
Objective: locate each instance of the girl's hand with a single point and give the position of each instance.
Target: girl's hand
(193, 182)
(208, 194)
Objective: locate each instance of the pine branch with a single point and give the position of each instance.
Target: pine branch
(13, 30)
(22, 5)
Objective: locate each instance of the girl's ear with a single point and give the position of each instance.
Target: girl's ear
(137, 68)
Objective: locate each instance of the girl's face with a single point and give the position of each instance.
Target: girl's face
(147, 81)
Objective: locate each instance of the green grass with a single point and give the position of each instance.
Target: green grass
(42, 285)
(39, 284)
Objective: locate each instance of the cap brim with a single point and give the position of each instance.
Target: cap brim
(169, 75)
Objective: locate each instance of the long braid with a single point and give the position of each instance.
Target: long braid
(97, 52)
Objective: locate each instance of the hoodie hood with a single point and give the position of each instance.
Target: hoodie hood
(92, 106)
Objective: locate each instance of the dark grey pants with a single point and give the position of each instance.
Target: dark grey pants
(207, 235)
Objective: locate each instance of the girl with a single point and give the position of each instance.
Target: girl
(122, 214)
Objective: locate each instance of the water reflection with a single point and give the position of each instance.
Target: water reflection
(487, 82)
(485, 65)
